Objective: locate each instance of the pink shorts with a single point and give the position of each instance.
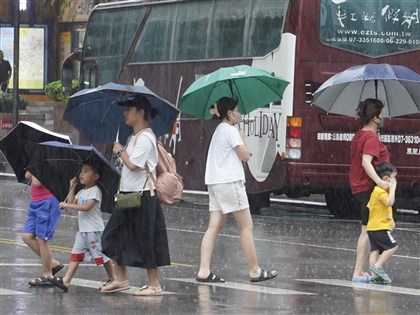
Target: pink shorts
(228, 197)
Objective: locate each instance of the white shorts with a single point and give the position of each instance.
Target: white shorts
(228, 197)
(87, 246)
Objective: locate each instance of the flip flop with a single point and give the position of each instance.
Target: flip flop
(115, 286)
(148, 291)
(58, 282)
(40, 282)
(211, 278)
(265, 275)
(105, 284)
(56, 269)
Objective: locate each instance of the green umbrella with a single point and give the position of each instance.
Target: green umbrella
(251, 87)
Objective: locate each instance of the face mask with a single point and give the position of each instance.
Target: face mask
(235, 117)
(381, 123)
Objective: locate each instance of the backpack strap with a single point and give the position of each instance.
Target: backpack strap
(150, 176)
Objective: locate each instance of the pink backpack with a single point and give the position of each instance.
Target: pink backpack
(169, 184)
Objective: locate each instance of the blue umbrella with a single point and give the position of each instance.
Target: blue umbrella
(396, 86)
(55, 164)
(96, 114)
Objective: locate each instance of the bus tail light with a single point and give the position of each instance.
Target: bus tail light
(294, 138)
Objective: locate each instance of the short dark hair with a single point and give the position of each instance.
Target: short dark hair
(139, 102)
(95, 165)
(385, 169)
(224, 105)
(368, 109)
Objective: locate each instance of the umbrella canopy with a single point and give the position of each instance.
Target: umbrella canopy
(55, 164)
(96, 114)
(19, 144)
(396, 86)
(251, 87)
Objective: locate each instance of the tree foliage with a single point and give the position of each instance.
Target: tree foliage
(74, 6)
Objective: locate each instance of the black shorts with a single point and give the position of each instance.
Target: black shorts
(381, 240)
(362, 200)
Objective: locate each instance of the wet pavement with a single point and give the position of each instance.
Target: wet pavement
(313, 253)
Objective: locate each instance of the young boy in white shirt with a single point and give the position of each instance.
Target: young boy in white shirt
(87, 244)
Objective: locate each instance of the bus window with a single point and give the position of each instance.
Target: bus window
(263, 37)
(239, 29)
(108, 37)
(371, 27)
(191, 31)
(227, 29)
(156, 37)
(89, 75)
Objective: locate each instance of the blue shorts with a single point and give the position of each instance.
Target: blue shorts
(42, 218)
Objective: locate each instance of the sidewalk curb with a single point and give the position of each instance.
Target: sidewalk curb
(7, 176)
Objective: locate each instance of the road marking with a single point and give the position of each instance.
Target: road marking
(365, 286)
(68, 250)
(289, 243)
(96, 284)
(244, 287)
(408, 230)
(11, 292)
(255, 238)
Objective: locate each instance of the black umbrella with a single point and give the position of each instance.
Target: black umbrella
(19, 144)
(55, 164)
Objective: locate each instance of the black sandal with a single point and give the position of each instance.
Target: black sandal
(265, 275)
(59, 283)
(211, 278)
(40, 282)
(56, 269)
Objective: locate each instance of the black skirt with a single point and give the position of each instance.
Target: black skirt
(137, 237)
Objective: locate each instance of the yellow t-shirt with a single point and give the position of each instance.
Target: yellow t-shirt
(378, 211)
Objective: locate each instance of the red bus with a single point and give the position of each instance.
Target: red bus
(296, 148)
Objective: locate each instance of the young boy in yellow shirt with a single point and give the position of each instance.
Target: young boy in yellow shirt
(381, 223)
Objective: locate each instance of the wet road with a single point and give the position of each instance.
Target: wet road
(313, 254)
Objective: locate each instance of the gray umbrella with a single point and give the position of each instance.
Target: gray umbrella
(396, 86)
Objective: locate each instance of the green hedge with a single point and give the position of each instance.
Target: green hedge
(55, 90)
(6, 103)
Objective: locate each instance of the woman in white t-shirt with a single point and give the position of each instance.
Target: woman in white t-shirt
(225, 180)
(137, 237)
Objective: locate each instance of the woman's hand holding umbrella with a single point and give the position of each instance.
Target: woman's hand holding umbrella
(117, 148)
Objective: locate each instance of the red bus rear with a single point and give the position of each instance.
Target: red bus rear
(296, 149)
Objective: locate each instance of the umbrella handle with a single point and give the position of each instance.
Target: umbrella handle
(71, 187)
(118, 134)
(20, 194)
(231, 89)
(179, 92)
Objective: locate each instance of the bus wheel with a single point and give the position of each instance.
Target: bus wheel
(340, 203)
(258, 201)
